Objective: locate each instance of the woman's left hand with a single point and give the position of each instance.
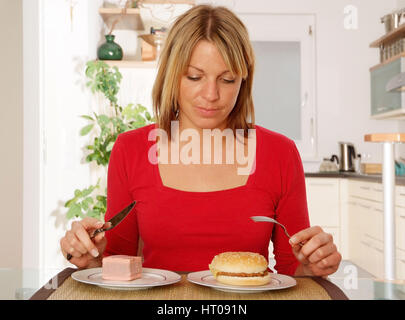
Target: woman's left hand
(318, 255)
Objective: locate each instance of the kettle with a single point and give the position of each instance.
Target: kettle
(347, 157)
(328, 164)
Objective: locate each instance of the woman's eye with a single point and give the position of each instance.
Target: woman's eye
(229, 81)
(193, 78)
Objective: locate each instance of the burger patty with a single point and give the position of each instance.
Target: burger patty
(233, 274)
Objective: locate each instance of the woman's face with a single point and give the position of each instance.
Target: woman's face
(208, 90)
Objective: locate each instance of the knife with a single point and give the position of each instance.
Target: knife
(114, 222)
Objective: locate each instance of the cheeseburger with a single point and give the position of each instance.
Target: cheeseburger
(240, 268)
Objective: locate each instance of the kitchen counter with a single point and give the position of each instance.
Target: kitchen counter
(356, 176)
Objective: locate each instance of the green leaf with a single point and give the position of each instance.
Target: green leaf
(87, 191)
(148, 116)
(87, 117)
(74, 211)
(85, 130)
(70, 202)
(103, 119)
(78, 193)
(110, 146)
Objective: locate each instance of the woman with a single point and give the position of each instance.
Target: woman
(188, 211)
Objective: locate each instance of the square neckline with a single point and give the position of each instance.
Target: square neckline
(249, 182)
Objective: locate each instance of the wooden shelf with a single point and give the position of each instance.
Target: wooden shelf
(131, 64)
(389, 37)
(385, 137)
(131, 18)
(401, 55)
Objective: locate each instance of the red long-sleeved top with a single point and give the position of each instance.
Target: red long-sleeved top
(184, 230)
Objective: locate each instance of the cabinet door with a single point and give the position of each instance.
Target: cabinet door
(355, 219)
(400, 196)
(381, 100)
(400, 227)
(400, 265)
(335, 232)
(373, 218)
(323, 201)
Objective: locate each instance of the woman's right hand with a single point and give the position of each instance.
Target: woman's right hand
(86, 252)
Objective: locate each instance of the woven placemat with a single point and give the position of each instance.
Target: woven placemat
(307, 288)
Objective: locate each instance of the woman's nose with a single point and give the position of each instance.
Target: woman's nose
(210, 91)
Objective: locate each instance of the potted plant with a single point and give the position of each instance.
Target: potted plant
(92, 201)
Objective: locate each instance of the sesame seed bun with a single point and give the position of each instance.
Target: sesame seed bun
(240, 268)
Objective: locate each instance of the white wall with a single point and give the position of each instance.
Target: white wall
(11, 134)
(343, 62)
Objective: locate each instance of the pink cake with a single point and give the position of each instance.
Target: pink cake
(122, 267)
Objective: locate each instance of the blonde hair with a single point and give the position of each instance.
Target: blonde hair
(224, 29)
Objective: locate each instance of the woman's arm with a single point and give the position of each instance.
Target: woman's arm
(123, 239)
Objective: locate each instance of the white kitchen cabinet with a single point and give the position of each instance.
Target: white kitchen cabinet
(400, 264)
(323, 197)
(323, 201)
(400, 227)
(353, 212)
(400, 196)
(366, 221)
(366, 226)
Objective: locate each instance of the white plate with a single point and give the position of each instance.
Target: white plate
(205, 278)
(150, 278)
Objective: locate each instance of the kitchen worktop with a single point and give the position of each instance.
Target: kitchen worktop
(353, 175)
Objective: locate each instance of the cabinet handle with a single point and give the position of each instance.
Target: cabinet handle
(378, 190)
(402, 194)
(379, 250)
(364, 206)
(367, 244)
(401, 260)
(371, 237)
(364, 188)
(321, 184)
(402, 217)
(379, 210)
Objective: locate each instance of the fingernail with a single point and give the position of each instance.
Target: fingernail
(293, 240)
(94, 253)
(99, 224)
(301, 256)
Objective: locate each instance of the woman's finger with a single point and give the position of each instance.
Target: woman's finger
(84, 238)
(67, 248)
(331, 261)
(99, 237)
(322, 252)
(88, 223)
(75, 242)
(305, 235)
(317, 241)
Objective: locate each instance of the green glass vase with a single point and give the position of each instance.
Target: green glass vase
(109, 50)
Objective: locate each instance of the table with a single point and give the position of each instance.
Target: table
(21, 284)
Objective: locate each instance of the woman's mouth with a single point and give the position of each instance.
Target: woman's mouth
(208, 112)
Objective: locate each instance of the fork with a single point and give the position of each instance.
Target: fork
(268, 219)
